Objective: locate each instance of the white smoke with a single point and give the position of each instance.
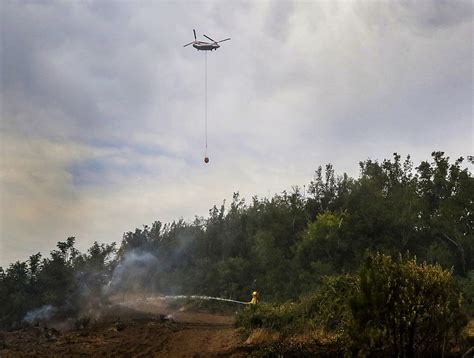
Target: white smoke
(133, 273)
(44, 313)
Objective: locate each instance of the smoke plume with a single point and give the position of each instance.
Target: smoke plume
(44, 313)
(132, 273)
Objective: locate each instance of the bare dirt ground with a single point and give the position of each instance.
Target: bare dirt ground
(133, 327)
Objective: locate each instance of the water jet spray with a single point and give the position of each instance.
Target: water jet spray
(194, 297)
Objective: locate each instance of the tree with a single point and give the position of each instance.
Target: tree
(447, 213)
(14, 298)
(320, 250)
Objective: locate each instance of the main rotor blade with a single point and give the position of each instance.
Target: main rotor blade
(223, 40)
(188, 44)
(194, 35)
(209, 38)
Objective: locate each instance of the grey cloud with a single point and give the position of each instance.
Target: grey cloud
(277, 20)
(69, 58)
(437, 13)
(420, 16)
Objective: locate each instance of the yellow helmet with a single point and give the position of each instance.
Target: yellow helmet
(254, 293)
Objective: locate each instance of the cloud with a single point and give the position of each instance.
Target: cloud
(277, 21)
(102, 115)
(420, 16)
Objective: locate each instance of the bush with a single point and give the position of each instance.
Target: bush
(405, 308)
(394, 307)
(467, 287)
(325, 309)
(269, 316)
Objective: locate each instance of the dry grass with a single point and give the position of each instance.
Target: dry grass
(263, 336)
(470, 329)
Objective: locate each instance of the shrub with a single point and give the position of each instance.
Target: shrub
(325, 309)
(405, 308)
(467, 287)
(394, 307)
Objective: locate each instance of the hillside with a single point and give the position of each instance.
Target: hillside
(349, 257)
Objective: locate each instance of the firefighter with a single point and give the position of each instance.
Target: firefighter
(254, 299)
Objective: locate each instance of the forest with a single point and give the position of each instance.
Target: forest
(341, 245)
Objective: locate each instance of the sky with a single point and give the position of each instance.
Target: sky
(102, 108)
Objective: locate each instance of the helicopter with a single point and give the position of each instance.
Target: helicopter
(205, 46)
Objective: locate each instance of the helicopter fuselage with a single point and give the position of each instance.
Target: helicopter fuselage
(205, 46)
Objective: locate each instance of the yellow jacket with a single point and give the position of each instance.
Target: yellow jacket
(254, 299)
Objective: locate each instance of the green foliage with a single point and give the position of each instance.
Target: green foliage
(324, 309)
(446, 195)
(405, 308)
(14, 289)
(394, 307)
(467, 287)
(328, 307)
(62, 280)
(320, 249)
(280, 317)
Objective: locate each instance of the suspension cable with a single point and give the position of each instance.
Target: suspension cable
(205, 98)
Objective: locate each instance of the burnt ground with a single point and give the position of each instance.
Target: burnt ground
(136, 327)
(146, 327)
